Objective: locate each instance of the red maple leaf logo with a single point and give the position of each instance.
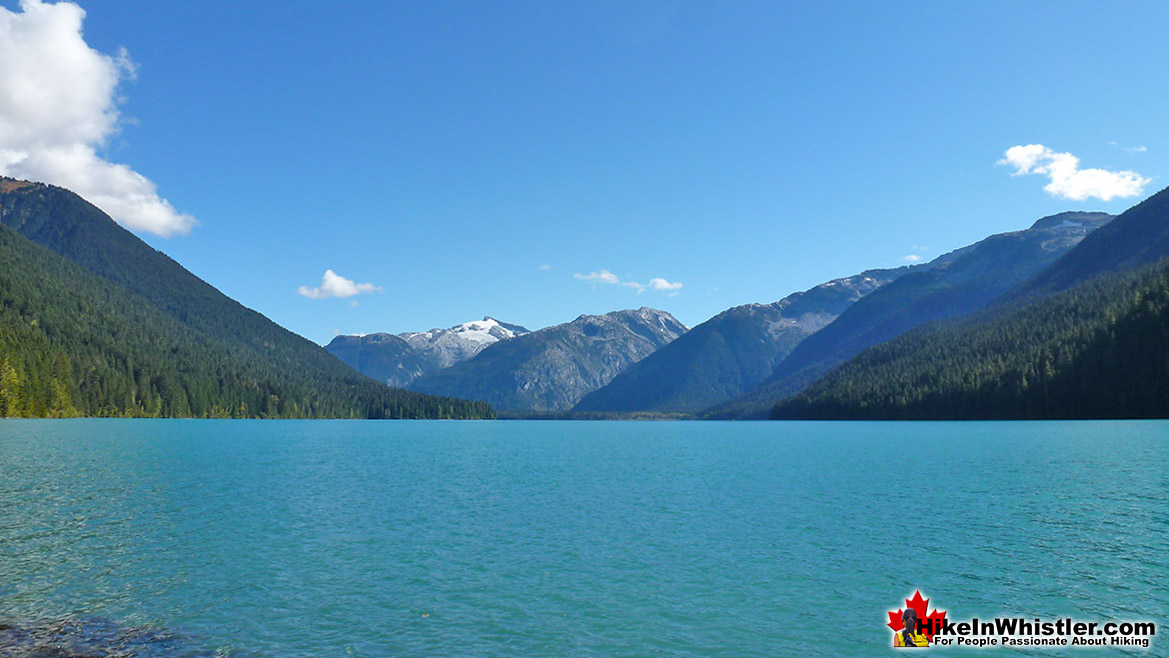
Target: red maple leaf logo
(919, 606)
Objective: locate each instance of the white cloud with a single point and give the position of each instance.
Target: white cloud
(605, 276)
(911, 258)
(1068, 181)
(335, 285)
(59, 105)
(662, 284)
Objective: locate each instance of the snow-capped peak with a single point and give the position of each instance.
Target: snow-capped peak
(461, 341)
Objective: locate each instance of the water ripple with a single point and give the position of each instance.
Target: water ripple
(317, 538)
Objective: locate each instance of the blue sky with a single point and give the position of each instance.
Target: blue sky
(513, 159)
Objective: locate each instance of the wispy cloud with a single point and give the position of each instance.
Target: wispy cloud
(545, 267)
(1130, 149)
(59, 106)
(335, 285)
(911, 258)
(604, 276)
(607, 277)
(1068, 181)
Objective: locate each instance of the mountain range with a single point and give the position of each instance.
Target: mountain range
(551, 369)
(1094, 350)
(1056, 320)
(399, 359)
(740, 362)
(1085, 337)
(731, 353)
(955, 284)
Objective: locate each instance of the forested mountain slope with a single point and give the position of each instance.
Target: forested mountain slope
(956, 284)
(1097, 350)
(95, 322)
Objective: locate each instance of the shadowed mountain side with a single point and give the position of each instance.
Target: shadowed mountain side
(963, 282)
(1096, 350)
(1138, 236)
(730, 353)
(384, 357)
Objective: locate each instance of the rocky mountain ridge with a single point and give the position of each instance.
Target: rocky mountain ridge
(551, 369)
(732, 352)
(397, 360)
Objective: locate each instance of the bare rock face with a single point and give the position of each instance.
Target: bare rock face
(551, 369)
(399, 359)
(384, 357)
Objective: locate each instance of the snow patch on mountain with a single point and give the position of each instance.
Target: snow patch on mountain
(462, 341)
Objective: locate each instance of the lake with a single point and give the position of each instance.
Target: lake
(557, 538)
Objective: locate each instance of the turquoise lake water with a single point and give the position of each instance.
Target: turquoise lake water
(529, 538)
